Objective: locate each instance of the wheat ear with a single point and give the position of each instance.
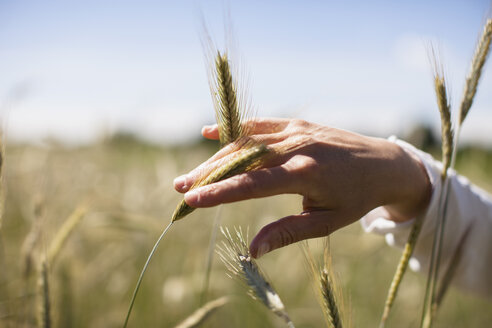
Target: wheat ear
(234, 253)
(247, 160)
(473, 77)
(227, 111)
(448, 151)
(44, 305)
(329, 295)
(229, 114)
(199, 316)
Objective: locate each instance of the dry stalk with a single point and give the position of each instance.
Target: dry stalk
(64, 232)
(453, 265)
(234, 253)
(2, 179)
(28, 249)
(44, 305)
(199, 316)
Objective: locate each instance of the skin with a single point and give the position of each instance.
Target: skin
(341, 176)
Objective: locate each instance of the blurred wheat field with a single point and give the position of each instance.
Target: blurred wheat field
(126, 185)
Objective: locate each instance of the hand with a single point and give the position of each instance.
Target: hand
(341, 176)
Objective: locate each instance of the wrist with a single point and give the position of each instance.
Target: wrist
(409, 191)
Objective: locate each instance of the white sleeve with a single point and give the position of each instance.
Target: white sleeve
(469, 211)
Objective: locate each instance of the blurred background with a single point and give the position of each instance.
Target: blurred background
(102, 102)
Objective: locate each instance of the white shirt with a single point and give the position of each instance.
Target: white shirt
(469, 207)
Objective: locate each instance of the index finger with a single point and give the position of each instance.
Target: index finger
(255, 184)
(254, 126)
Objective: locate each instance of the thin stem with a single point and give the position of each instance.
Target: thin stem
(137, 287)
(210, 256)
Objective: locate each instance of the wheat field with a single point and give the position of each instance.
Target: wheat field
(125, 186)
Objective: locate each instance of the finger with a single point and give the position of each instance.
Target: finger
(254, 126)
(295, 228)
(255, 184)
(211, 132)
(183, 183)
(264, 125)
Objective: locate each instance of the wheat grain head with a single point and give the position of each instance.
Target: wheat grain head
(246, 160)
(473, 78)
(234, 253)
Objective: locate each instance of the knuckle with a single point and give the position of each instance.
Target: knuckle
(299, 123)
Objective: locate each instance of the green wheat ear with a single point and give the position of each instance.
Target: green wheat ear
(227, 111)
(247, 160)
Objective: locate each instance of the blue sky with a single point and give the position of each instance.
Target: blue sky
(76, 70)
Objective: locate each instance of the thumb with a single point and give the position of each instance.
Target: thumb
(295, 228)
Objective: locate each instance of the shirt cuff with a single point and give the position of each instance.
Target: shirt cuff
(396, 234)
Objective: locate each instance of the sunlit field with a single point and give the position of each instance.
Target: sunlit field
(126, 187)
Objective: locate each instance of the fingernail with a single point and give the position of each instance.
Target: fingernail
(180, 181)
(207, 128)
(262, 249)
(192, 196)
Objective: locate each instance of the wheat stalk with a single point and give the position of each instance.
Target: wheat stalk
(471, 85)
(31, 241)
(401, 269)
(453, 265)
(234, 253)
(2, 178)
(447, 151)
(44, 305)
(142, 273)
(64, 232)
(199, 316)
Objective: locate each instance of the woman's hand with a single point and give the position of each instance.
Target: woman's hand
(341, 175)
